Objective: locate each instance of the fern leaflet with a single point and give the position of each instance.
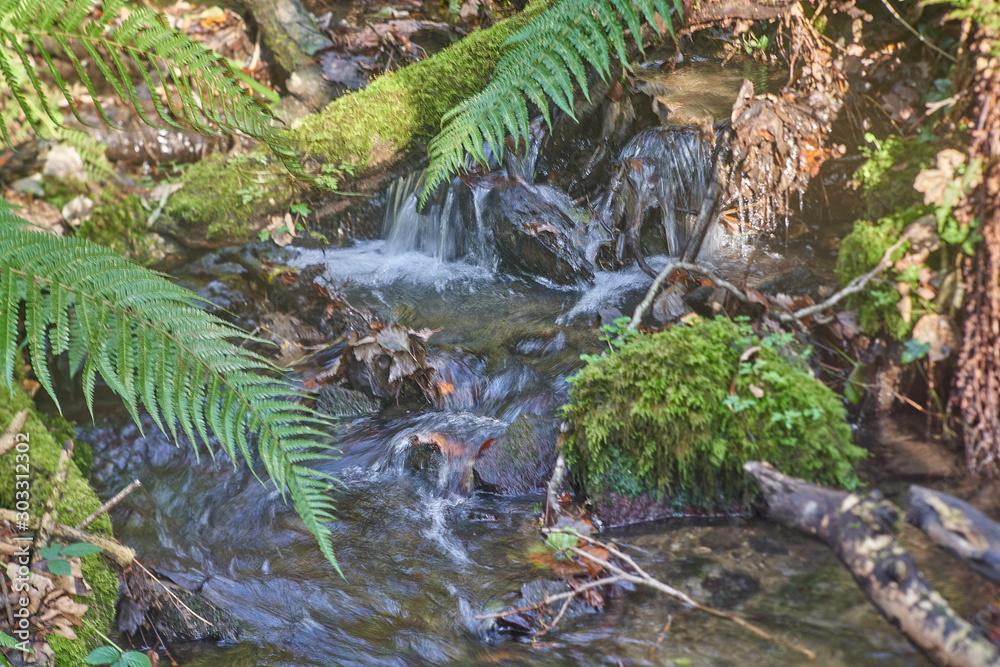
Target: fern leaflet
(148, 340)
(542, 61)
(123, 40)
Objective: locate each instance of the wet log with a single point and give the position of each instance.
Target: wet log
(291, 35)
(958, 528)
(862, 532)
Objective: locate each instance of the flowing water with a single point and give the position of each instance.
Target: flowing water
(422, 560)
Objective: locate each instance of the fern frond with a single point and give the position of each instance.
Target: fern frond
(124, 40)
(148, 340)
(543, 61)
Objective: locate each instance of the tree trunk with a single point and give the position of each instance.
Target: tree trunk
(291, 35)
(977, 382)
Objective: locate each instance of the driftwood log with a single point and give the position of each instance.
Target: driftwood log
(958, 528)
(862, 532)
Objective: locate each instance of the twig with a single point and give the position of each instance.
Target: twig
(172, 594)
(549, 599)
(103, 509)
(855, 285)
(643, 578)
(670, 267)
(16, 424)
(48, 520)
(933, 47)
(121, 554)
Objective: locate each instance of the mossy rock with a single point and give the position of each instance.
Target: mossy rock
(886, 176)
(653, 422)
(77, 502)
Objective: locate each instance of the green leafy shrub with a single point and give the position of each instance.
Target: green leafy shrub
(860, 252)
(657, 417)
(885, 178)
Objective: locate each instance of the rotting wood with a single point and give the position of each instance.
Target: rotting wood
(862, 532)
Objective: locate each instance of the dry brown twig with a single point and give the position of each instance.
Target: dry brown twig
(639, 577)
(16, 424)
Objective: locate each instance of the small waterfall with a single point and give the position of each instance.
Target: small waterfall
(450, 227)
(665, 169)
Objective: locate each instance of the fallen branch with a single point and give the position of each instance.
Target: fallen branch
(639, 577)
(16, 424)
(859, 282)
(647, 301)
(106, 507)
(862, 532)
(122, 555)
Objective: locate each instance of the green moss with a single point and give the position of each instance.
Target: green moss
(59, 192)
(860, 252)
(886, 177)
(77, 502)
(362, 130)
(120, 224)
(653, 418)
(221, 195)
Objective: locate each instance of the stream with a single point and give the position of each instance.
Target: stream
(421, 560)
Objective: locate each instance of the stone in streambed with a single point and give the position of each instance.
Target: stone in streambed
(534, 233)
(521, 460)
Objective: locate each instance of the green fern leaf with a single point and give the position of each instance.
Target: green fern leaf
(150, 343)
(543, 61)
(202, 92)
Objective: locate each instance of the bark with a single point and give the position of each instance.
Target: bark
(862, 532)
(702, 13)
(291, 35)
(977, 383)
(959, 528)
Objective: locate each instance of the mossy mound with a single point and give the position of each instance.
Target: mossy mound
(78, 501)
(656, 419)
(886, 176)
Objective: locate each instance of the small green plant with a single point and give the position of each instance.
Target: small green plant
(56, 556)
(616, 335)
(676, 414)
(300, 209)
(114, 656)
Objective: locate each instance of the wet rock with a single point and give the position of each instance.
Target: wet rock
(730, 588)
(800, 281)
(521, 460)
(155, 608)
(64, 163)
(534, 234)
(343, 402)
(768, 546)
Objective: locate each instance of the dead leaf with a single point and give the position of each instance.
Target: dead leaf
(939, 332)
(756, 391)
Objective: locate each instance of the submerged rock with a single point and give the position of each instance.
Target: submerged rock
(521, 460)
(534, 233)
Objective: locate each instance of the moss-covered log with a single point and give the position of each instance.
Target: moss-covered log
(862, 532)
(366, 132)
(78, 500)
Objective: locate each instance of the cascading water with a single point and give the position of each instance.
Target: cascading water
(666, 170)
